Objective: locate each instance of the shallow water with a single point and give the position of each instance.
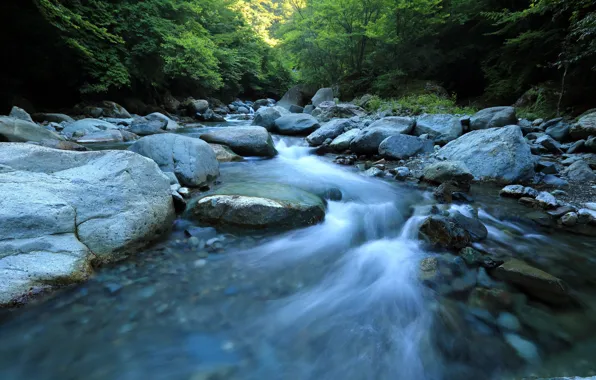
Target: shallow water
(339, 300)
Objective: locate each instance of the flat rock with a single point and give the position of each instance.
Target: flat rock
(370, 138)
(245, 141)
(258, 206)
(441, 128)
(343, 141)
(17, 130)
(445, 171)
(495, 117)
(330, 130)
(225, 154)
(401, 147)
(296, 124)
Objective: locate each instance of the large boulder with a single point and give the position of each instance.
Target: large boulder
(52, 118)
(245, 141)
(112, 109)
(369, 138)
(327, 111)
(296, 124)
(441, 128)
(585, 127)
(21, 114)
(401, 147)
(52, 227)
(144, 127)
(343, 141)
(192, 160)
(298, 95)
(196, 107)
(495, 117)
(558, 129)
(495, 154)
(266, 116)
(82, 127)
(580, 172)
(323, 95)
(330, 130)
(17, 130)
(259, 206)
(171, 125)
(447, 171)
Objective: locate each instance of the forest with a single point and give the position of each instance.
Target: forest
(482, 52)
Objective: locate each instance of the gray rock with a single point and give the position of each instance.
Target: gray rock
(261, 103)
(53, 118)
(225, 154)
(370, 138)
(518, 191)
(309, 108)
(590, 145)
(445, 171)
(401, 147)
(343, 141)
(63, 145)
(441, 128)
(549, 144)
(576, 147)
(552, 180)
(296, 109)
(330, 130)
(570, 219)
(297, 95)
(197, 107)
(373, 172)
(17, 130)
(243, 110)
(402, 173)
(296, 124)
(53, 229)
(171, 125)
(323, 95)
(21, 114)
(329, 110)
(146, 127)
(495, 117)
(107, 136)
(473, 226)
(444, 232)
(266, 116)
(580, 171)
(585, 127)
(192, 160)
(547, 200)
(258, 206)
(558, 129)
(496, 154)
(245, 141)
(81, 127)
(112, 109)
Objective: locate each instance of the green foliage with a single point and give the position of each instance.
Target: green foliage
(419, 104)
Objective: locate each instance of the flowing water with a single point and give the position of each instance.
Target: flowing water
(338, 300)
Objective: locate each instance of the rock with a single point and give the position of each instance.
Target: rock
(170, 103)
(495, 117)
(21, 114)
(555, 181)
(585, 127)
(445, 171)
(63, 145)
(518, 191)
(261, 103)
(370, 138)
(429, 273)
(192, 160)
(590, 206)
(547, 167)
(580, 171)
(245, 141)
(107, 136)
(258, 206)
(145, 127)
(197, 107)
(444, 232)
(329, 110)
(374, 172)
(309, 108)
(170, 125)
(558, 129)
(323, 95)
(343, 141)
(491, 299)
(496, 154)
(547, 200)
(401, 147)
(524, 348)
(586, 216)
(330, 130)
(549, 144)
(401, 173)
(225, 154)
(112, 109)
(534, 281)
(444, 193)
(17, 130)
(296, 109)
(441, 128)
(473, 226)
(53, 118)
(265, 117)
(53, 229)
(570, 219)
(298, 95)
(474, 258)
(296, 124)
(576, 147)
(81, 127)
(243, 110)
(590, 145)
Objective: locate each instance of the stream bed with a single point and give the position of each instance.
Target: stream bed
(338, 300)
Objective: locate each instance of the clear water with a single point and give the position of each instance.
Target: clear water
(339, 300)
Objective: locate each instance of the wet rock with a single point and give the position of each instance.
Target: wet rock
(445, 171)
(496, 154)
(401, 147)
(585, 127)
(560, 211)
(440, 128)
(493, 300)
(145, 127)
(53, 229)
(523, 347)
(225, 154)
(170, 125)
(257, 206)
(296, 109)
(540, 218)
(546, 200)
(508, 322)
(586, 216)
(558, 129)
(330, 130)
(429, 270)
(245, 141)
(590, 145)
(266, 116)
(192, 160)
(495, 117)
(580, 171)
(473, 226)
(401, 173)
(21, 114)
(343, 141)
(370, 138)
(570, 219)
(323, 95)
(444, 193)
(533, 280)
(547, 167)
(17, 130)
(444, 232)
(374, 172)
(518, 191)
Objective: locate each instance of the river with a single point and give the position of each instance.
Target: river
(338, 300)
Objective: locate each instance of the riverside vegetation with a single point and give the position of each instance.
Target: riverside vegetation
(410, 192)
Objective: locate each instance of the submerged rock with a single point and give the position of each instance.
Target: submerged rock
(245, 141)
(258, 206)
(53, 229)
(444, 232)
(192, 160)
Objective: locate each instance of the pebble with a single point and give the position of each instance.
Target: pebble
(200, 263)
(570, 219)
(508, 321)
(194, 241)
(524, 348)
